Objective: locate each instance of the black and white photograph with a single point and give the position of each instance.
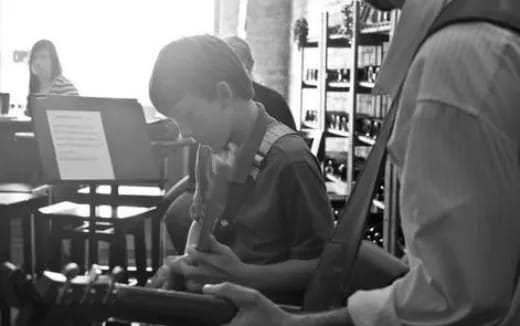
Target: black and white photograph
(260, 163)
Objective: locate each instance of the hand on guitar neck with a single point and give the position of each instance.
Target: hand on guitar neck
(218, 263)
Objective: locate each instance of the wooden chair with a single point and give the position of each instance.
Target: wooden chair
(92, 223)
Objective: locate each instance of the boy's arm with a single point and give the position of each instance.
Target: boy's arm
(222, 264)
(306, 211)
(290, 275)
(307, 223)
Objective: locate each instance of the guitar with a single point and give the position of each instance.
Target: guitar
(62, 299)
(213, 183)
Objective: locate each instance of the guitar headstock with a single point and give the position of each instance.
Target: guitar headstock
(15, 286)
(18, 290)
(55, 288)
(57, 298)
(215, 196)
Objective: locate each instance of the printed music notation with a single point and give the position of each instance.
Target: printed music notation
(80, 145)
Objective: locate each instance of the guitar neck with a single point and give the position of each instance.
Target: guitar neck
(51, 301)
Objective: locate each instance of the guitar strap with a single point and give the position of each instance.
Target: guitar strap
(326, 289)
(239, 192)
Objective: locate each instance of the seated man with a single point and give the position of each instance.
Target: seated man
(273, 102)
(278, 213)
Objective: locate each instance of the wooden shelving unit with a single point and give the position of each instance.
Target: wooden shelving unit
(344, 122)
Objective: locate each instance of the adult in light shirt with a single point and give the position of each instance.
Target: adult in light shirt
(274, 103)
(456, 146)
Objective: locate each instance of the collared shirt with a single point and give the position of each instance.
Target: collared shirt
(284, 212)
(414, 23)
(456, 144)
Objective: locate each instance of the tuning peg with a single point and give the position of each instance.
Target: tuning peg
(115, 276)
(93, 273)
(70, 271)
(92, 277)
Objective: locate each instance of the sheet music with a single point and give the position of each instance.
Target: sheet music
(80, 145)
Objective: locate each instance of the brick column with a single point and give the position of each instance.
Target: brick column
(227, 17)
(268, 29)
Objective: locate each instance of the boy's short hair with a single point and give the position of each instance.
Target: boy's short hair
(194, 65)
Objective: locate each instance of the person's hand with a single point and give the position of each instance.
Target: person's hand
(218, 265)
(170, 275)
(252, 307)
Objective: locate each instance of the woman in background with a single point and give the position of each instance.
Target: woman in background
(46, 78)
(45, 71)
(45, 74)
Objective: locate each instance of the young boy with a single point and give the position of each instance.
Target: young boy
(277, 212)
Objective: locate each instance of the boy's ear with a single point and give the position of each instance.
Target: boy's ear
(224, 94)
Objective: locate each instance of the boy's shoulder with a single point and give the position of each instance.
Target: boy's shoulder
(290, 149)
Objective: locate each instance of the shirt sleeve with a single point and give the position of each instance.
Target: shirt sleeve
(459, 205)
(308, 215)
(63, 86)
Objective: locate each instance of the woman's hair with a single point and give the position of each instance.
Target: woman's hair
(34, 82)
(195, 65)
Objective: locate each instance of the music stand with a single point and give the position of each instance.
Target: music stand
(93, 140)
(88, 140)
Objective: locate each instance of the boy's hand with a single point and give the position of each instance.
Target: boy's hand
(170, 275)
(253, 308)
(218, 265)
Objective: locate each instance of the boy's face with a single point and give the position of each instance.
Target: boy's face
(41, 64)
(207, 121)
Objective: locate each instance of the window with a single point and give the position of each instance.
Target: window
(107, 47)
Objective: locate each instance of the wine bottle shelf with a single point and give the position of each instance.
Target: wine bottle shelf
(366, 84)
(309, 85)
(337, 132)
(366, 140)
(343, 70)
(379, 28)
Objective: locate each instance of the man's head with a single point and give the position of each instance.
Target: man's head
(198, 81)
(386, 5)
(243, 52)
